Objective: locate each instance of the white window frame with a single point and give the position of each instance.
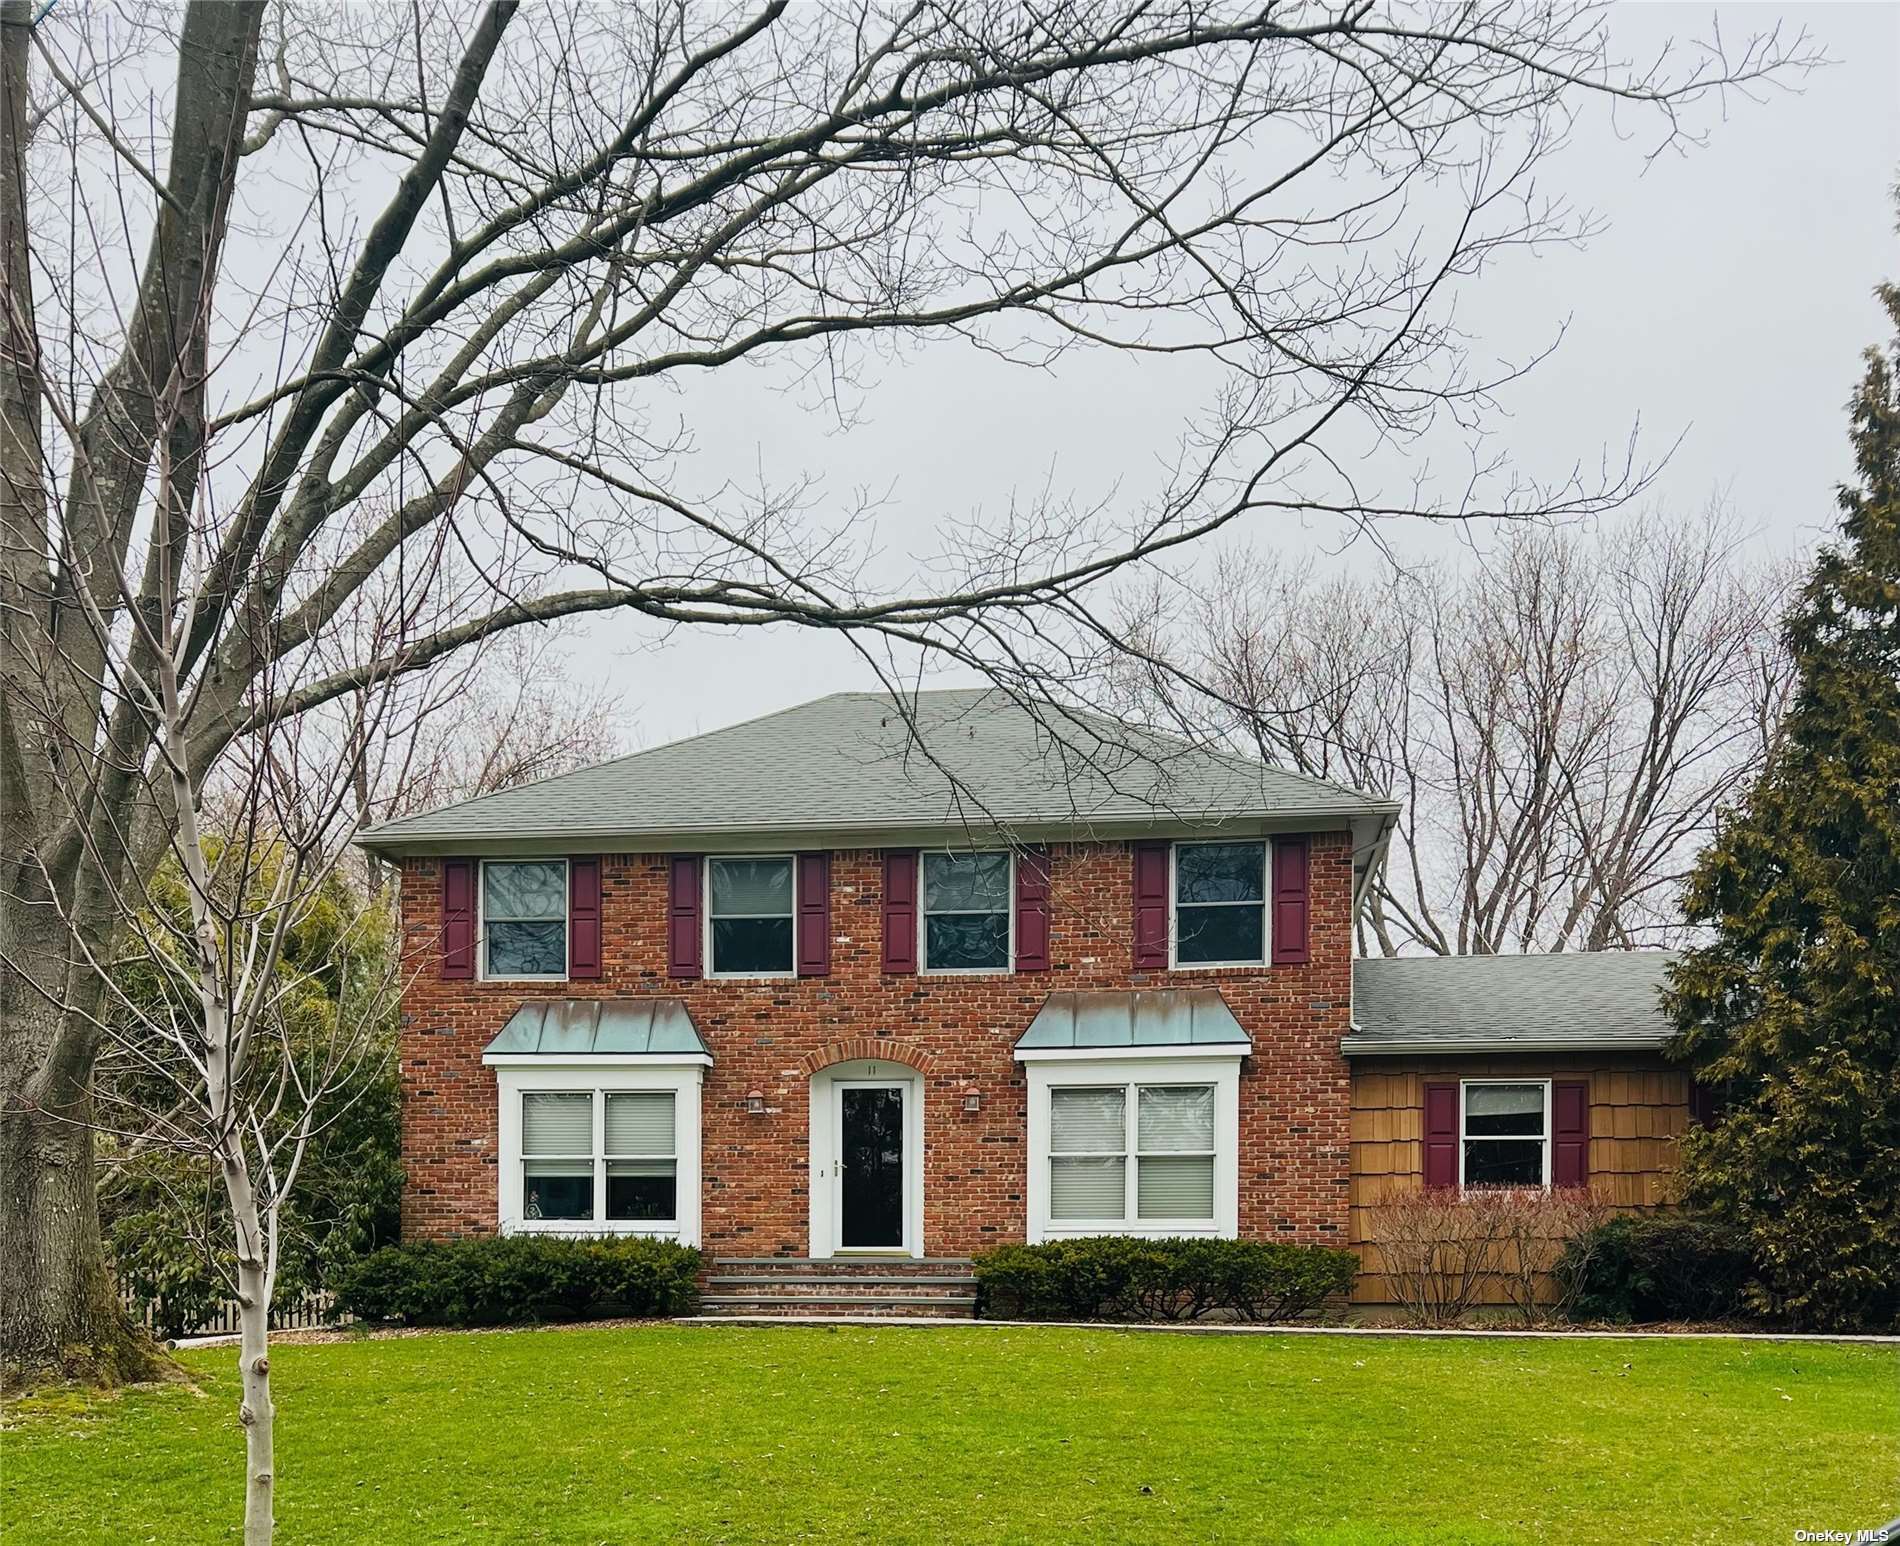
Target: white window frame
(567, 920)
(1463, 1106)
(1218, 1066)
(706, 919)
(1175, 962)
(923, 917)
(525, 1074)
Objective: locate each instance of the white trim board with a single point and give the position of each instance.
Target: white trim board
(1170, 1053)
(825, 1224)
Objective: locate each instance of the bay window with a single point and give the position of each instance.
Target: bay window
(524, 918)
(1220, 904)
(1139, 1146)
(966, 912)
(600, 1150)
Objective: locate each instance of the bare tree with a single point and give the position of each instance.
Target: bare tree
(232, 1075)
(517, 715)
(377, 308)
(496, 716)
(1562, 720)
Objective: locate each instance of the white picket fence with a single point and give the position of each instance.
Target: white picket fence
(310, 1313)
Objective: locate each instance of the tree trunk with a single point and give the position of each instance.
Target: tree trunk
(256, 1412)
(60, 1315)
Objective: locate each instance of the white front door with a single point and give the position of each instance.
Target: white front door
(867, 1154)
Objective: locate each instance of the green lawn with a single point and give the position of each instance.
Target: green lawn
(672, 1433)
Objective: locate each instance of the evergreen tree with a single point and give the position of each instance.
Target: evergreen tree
(1792, 1012)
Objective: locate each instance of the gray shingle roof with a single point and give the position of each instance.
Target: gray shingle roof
(1148, 1017)
(596, 1027)
(848, 763)
(1599, 999)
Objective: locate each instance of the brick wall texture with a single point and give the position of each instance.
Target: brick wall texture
(957, 1031)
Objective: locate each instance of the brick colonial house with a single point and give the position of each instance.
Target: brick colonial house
(843, 1004)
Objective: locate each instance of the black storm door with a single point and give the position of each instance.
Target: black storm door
(871, 1182)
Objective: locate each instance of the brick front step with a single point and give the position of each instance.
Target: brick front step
(960, 1308)
(861, 1280)
(842, 1263)
(803, 1285)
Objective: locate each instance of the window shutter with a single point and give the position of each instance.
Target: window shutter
(1032, 910)
(1151, 906)
(458, 919)
(1441, 1135)
(1291, 892)
(900, 910)
(814, 915)
(583, 917)
(1570, 1133)
(682, 916)
(1705, 1104)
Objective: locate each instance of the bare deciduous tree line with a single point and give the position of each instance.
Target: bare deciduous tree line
(1564, 717)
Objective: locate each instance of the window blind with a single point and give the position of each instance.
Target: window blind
(640, 1122)
(1087, 1187)
(1087, 1121)
(1177, 1118)
(1175, 1186)
(557, 1123)
(751, 887)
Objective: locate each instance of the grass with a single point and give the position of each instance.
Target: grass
(674, 1433)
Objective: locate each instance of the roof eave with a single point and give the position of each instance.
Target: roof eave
(1408, 1046)
(741, 836)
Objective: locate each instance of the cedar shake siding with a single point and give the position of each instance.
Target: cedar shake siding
(1637, 1106)
(859, 995)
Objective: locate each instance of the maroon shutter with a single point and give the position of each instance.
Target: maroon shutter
(1570, 1133)
(1705, 1106)
(1032, 910)
(458, 919)
(814, 915)
(682, 916)
(583, 917)
(1441, 1135)
(900, 910)
(1291, 890)
(1151, 906)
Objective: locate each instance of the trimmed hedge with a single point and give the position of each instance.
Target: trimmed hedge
(1658, 1267)
(1115, 1277)
(506, 1281)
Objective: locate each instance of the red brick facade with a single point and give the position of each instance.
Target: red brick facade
(958, 1031)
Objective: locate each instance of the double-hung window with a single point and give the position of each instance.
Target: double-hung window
(749, 917)
(557, 1155)
(524, 918)
(1131, 1155)
(1505, 1135)
(599, 1157)
(966, 912)
(1220, 904)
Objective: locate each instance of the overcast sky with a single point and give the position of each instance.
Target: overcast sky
(1726, 302)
